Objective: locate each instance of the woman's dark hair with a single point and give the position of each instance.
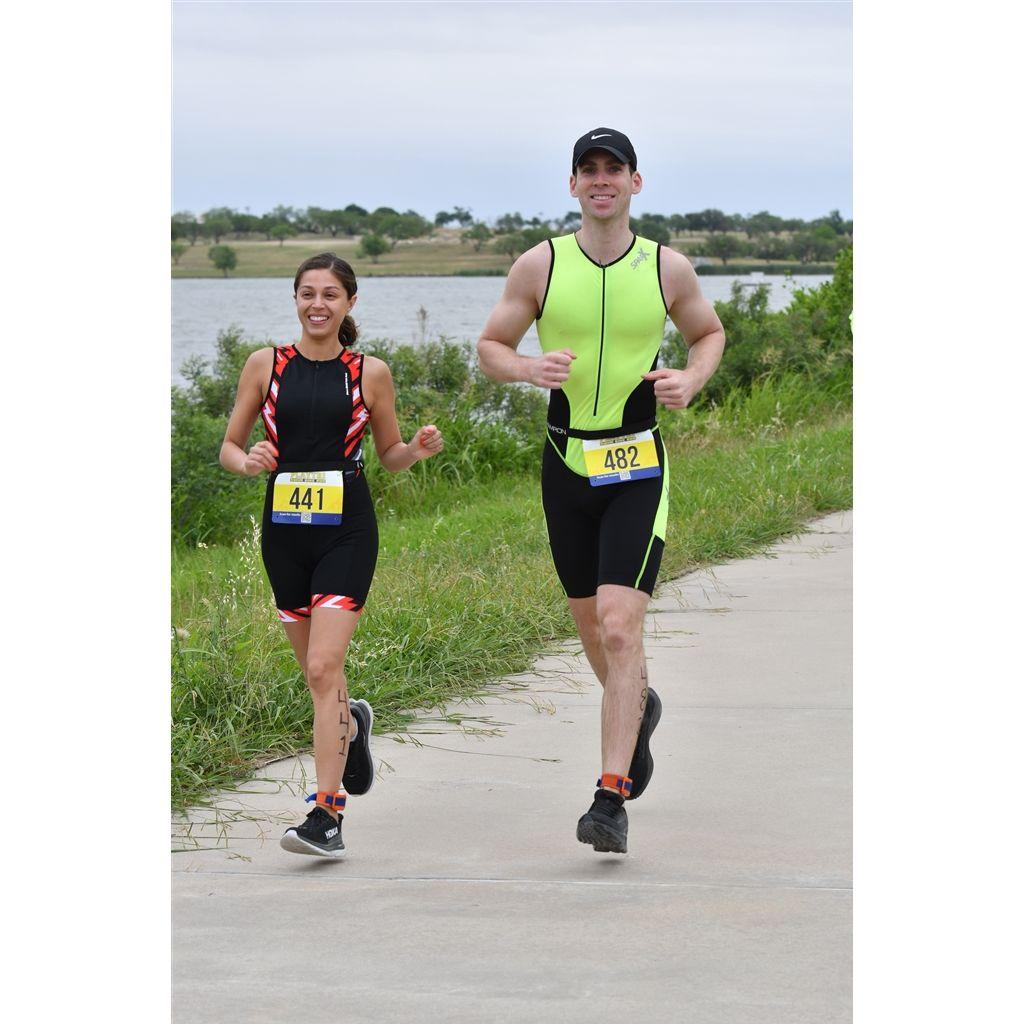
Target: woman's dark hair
(348, 332)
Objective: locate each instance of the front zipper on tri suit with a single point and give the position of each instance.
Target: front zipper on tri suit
(600, 351)
(312, 401)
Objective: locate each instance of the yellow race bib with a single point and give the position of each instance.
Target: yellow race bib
(615, 459)
(309, 499)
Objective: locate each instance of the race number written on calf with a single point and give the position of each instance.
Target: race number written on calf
(614, 459)
(309, 499)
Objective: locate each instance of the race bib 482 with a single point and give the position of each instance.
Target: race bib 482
(613, 460)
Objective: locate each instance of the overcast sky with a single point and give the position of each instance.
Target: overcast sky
(740, 106)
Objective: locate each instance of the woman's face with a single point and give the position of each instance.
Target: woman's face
(322, 303)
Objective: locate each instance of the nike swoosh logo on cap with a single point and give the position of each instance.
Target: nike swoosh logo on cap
(600, 136)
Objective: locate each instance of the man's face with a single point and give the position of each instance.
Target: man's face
(603, 184)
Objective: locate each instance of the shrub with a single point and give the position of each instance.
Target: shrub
(207, 503)
(224, 257)
(811, 336)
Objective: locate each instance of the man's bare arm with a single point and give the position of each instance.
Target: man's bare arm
(510, 319)
(694, 316)
(700, 327)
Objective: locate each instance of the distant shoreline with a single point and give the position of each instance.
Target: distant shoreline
(704, 270)
(442, 255)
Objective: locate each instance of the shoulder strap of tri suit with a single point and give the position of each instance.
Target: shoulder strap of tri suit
(360, 413)
(282, 356)
(353, 363)
(273, 375)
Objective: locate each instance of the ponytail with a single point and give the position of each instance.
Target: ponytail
(348, 332)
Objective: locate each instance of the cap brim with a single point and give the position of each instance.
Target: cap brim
(608, 149)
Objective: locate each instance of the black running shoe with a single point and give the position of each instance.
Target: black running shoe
(359, 774)
(641, 768)
(604, 826)
(319, 836)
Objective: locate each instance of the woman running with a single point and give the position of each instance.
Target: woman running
(319, 535)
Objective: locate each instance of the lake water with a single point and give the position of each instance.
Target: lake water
(388, 307)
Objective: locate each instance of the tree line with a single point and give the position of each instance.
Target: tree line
(286, 221)
(762, 235)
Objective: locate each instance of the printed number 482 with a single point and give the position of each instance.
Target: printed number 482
(622, 458)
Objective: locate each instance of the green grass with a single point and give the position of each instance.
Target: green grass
(465, 590)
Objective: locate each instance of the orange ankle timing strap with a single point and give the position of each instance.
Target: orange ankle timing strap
(622, 784)
(336, 801)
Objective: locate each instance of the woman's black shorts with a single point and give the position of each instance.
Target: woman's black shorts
(322, 566)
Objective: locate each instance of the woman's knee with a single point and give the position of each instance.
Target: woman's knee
(324, 672)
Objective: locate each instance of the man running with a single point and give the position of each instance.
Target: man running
(600, 298)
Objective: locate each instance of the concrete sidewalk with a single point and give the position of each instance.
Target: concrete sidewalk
(465, 895)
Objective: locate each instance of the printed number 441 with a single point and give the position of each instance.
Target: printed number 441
(305, 500)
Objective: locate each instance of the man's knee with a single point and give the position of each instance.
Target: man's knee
(621, 632)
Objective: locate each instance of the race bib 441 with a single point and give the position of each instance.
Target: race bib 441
(613, 460)
(309, 499)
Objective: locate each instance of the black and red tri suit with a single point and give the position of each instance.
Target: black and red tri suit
(315, 416)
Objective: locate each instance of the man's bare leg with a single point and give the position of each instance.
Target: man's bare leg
(584, 611)
(620, 615)
(616, 653)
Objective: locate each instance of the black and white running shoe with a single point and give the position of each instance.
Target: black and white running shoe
(605, 825)
(641, 768)
(359, 774)
(318, 836)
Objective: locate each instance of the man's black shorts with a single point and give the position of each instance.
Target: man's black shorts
(609, 534)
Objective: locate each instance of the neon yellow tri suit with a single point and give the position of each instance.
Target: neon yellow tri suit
(606, 508)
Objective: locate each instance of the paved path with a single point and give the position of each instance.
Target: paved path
(465, 896)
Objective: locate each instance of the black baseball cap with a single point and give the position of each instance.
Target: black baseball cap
(604, 138)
